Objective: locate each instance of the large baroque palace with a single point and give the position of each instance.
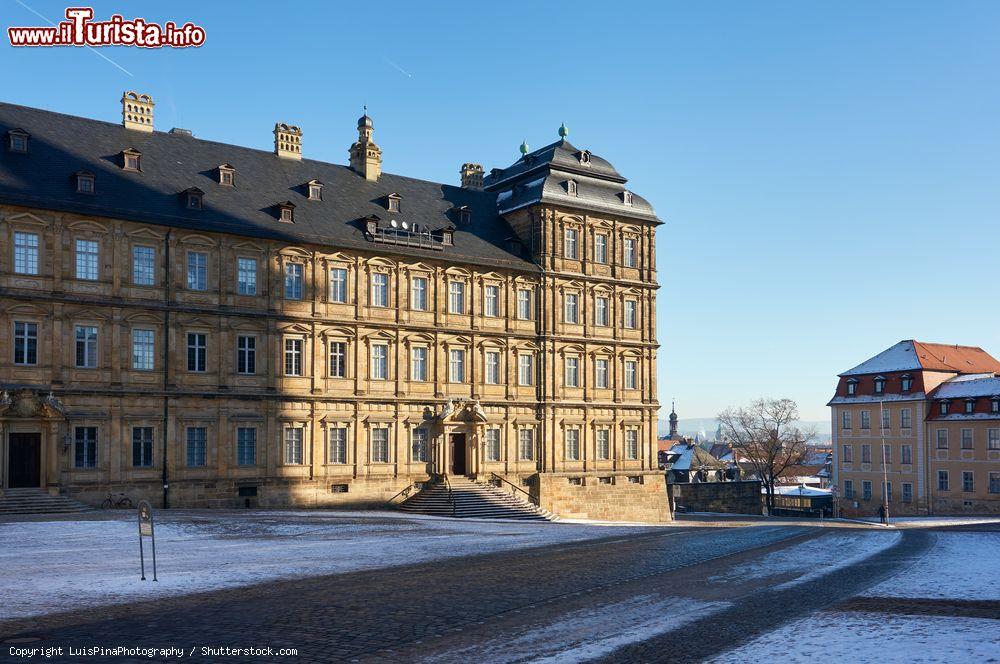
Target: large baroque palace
(203, 324)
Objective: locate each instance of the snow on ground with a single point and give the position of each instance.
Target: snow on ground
(874, 637)
(68, 565)
(586, 634)
(812, 559)
(961, 566)
(935, 521)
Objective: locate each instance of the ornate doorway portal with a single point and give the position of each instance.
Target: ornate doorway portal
(25, 468)
(457, 453)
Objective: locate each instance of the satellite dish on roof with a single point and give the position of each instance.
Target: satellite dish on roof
(405, 226)
(392, 222)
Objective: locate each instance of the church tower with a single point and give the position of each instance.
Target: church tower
(366, 157)
(673, 421)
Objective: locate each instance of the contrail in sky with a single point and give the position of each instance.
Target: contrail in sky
(391, 64)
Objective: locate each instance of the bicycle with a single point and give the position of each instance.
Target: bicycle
(121, 502)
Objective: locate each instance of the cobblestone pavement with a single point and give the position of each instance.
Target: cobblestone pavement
(383, 614)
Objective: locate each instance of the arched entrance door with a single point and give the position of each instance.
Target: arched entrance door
(457, 444)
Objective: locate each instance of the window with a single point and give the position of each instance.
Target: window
(942, 439)
(601, 248)
(994, 482)
(194, 199)
(25, 343)
(18, 141)
(418, 293)
(631, 444)
(886, 454)
(943, 407)
(493, 444)
(848, 489)
(393, 203)
(25, 253)
(886, 418)
(572, 309)
(970, 406)
(380, 289)
(197, 270)
(629, 252)
(286, 213)
(571, 188)
(572, 249)
(143, 348)
(293, 281)
(86, 347)
(603, 444)
(315, 191)
(418, 443)
(294, 446)
(852, 387)
(524, 304)
(572, 378)
(905, 419)
(631, 377)
(337, 441)
(968, 481)
(631, 317)
(866, 454)
(379, 369)
(338, 284)
(906, 382)
(845, 419)
(995, 405)
(246, 276)
(572, 444)
(491, 301)
(293, 357)
(601, 311)
(418, 363)
(866, 490)
(197, 351)
(627, 197)
(848, 454)
(866, 419)
(380, 445)
(456, 297)
(131, 160)
(338, 359)
(601, 373)
(906, 455)
(227, 175)
(526, 444)
(907, 496)
(887, 491)
(246, 354)
(85, 183)
(942, 478)
(492, 368)
(197, 445)
(966, 439)
(142, 447)
(246, 446)
(525, 369)
(456, 366)
(143, 266)
(880, 385)
(85, 447)
(993, 439)
(86, 259)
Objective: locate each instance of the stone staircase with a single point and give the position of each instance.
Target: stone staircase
(473, 500)
(37, 501)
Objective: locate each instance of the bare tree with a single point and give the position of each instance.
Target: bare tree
(764, 435)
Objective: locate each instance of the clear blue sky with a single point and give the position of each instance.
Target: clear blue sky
(829, 173)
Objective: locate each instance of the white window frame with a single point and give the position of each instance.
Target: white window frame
(601, 248)
(293, 447)
(631, 444)
(491, 300)
(88, 257)
(602, 437)
(246, 446)
(491, 374)
(602, 373)
(26, 248)
(602, 311)
(526, 444)
(525, 369)
(491, 444)
(246, 275)
(143, 265)
(88, 344)
(456, 296)
(337, 359)
(571, 444)
(418, 293)
(338, 285)
(294, 356)
(571, 309)
(571, 243)
(524, 304)
(571, 372)
(197, 270)
(143, 349)
(246, 354)
(419, 363)
(629, 248)
(380, 447)
(456, 365)
(379, 289)
(379, 362)
(631, 375)
(336, 450)
(200, 348)
(294, 281)
(25, 343)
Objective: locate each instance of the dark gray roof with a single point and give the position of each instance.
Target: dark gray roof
(60, 145)
(541, 177)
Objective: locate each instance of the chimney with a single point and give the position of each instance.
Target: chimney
(287, 141)
(137, 111)
(366, 157)
(472, 176)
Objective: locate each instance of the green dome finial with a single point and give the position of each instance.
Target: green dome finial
(563, 130)
(524, 147)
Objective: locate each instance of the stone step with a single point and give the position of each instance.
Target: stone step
(37, 501)
(469, 499)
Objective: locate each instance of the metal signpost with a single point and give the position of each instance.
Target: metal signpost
(146, 530)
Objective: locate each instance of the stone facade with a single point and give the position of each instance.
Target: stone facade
(612, 496)
(742, 497)
(180, 385)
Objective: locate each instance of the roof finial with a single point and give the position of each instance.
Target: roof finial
(563, 130)
(524, 147)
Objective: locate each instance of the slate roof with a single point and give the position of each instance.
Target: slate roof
(910, 355)
(61, 145)
(541, 176)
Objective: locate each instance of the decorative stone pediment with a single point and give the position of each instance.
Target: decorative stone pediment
(27, 403)
(463, 410)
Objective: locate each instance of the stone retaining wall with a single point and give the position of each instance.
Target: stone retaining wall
(722, 497)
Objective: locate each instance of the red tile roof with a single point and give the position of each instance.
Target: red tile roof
(961, 359)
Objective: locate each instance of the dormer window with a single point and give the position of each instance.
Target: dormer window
(392, 202)
(17, 141)
(943, 407)
(852, 387)
(571, 187)
(627, 197)
(448, 237)
(131, 160)
(463, 213)
(227, 175)
(906, 382)
(995, 405)
(315, 189)
(193, 198)
(85, 182)
(286, 212)
(585, 157)
(880, 385)
(970, 406)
